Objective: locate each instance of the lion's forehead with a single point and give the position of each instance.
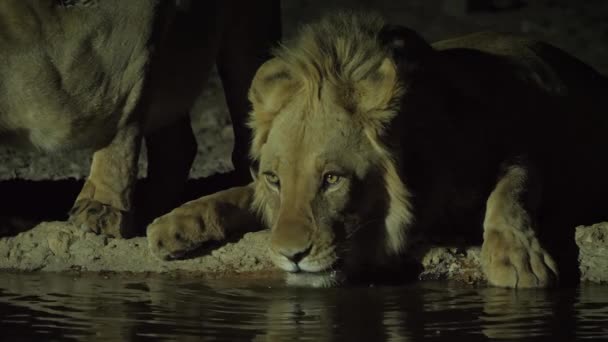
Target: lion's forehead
(311, 120)
(315, 141)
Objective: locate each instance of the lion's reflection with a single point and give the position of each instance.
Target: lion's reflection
(126, 308)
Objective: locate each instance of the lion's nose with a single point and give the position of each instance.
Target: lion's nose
(294, 255)
(291, 239)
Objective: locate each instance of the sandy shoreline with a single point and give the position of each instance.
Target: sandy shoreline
(61, 247)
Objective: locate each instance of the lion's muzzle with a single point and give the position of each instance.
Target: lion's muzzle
(291, 243)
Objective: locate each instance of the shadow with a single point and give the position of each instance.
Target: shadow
(25, 203)
(495, 6)
(38, 200)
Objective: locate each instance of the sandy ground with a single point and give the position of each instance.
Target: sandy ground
(57, 247)
(61, 247)
(577, 27)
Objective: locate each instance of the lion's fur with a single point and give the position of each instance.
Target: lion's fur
(69, 78)
(424, 130)
(72, 76)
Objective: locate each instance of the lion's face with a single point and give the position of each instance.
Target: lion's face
(326, 184)
(312, 164)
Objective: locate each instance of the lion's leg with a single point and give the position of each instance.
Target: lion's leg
(252, 27)
(104, 203)
(511, 254)
(209, 218)
(171, 151)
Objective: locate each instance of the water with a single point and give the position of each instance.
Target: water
(125, 308)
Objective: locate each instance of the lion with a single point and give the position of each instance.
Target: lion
(366, 137)
(105, 74)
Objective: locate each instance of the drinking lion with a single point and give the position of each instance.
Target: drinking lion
(365, 134)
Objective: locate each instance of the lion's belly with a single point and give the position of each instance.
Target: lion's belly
(77, 93)
(73, 77)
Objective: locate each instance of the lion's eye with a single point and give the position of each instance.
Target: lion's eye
(331, 179)
(272, 179)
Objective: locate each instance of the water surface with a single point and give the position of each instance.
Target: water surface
(127, 308)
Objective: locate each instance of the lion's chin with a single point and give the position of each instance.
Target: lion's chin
(315, 279)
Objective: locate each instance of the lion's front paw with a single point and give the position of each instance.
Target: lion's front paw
(99, 218)
(515, 259)
(185, 229)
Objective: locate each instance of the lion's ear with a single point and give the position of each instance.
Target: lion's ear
(377, 90)
(407, 52)
(272, 87)
(408, 49)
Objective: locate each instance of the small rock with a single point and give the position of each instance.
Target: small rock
(593, 252)
(59, 242)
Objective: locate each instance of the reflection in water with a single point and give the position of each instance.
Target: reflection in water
(121, 308)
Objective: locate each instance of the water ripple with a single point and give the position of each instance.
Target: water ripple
(111, 308)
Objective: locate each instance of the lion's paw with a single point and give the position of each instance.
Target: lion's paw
(99, 218)
(185, 229)
(516, 260)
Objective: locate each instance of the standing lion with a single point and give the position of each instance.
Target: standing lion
(104, 74)
(365, 135)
